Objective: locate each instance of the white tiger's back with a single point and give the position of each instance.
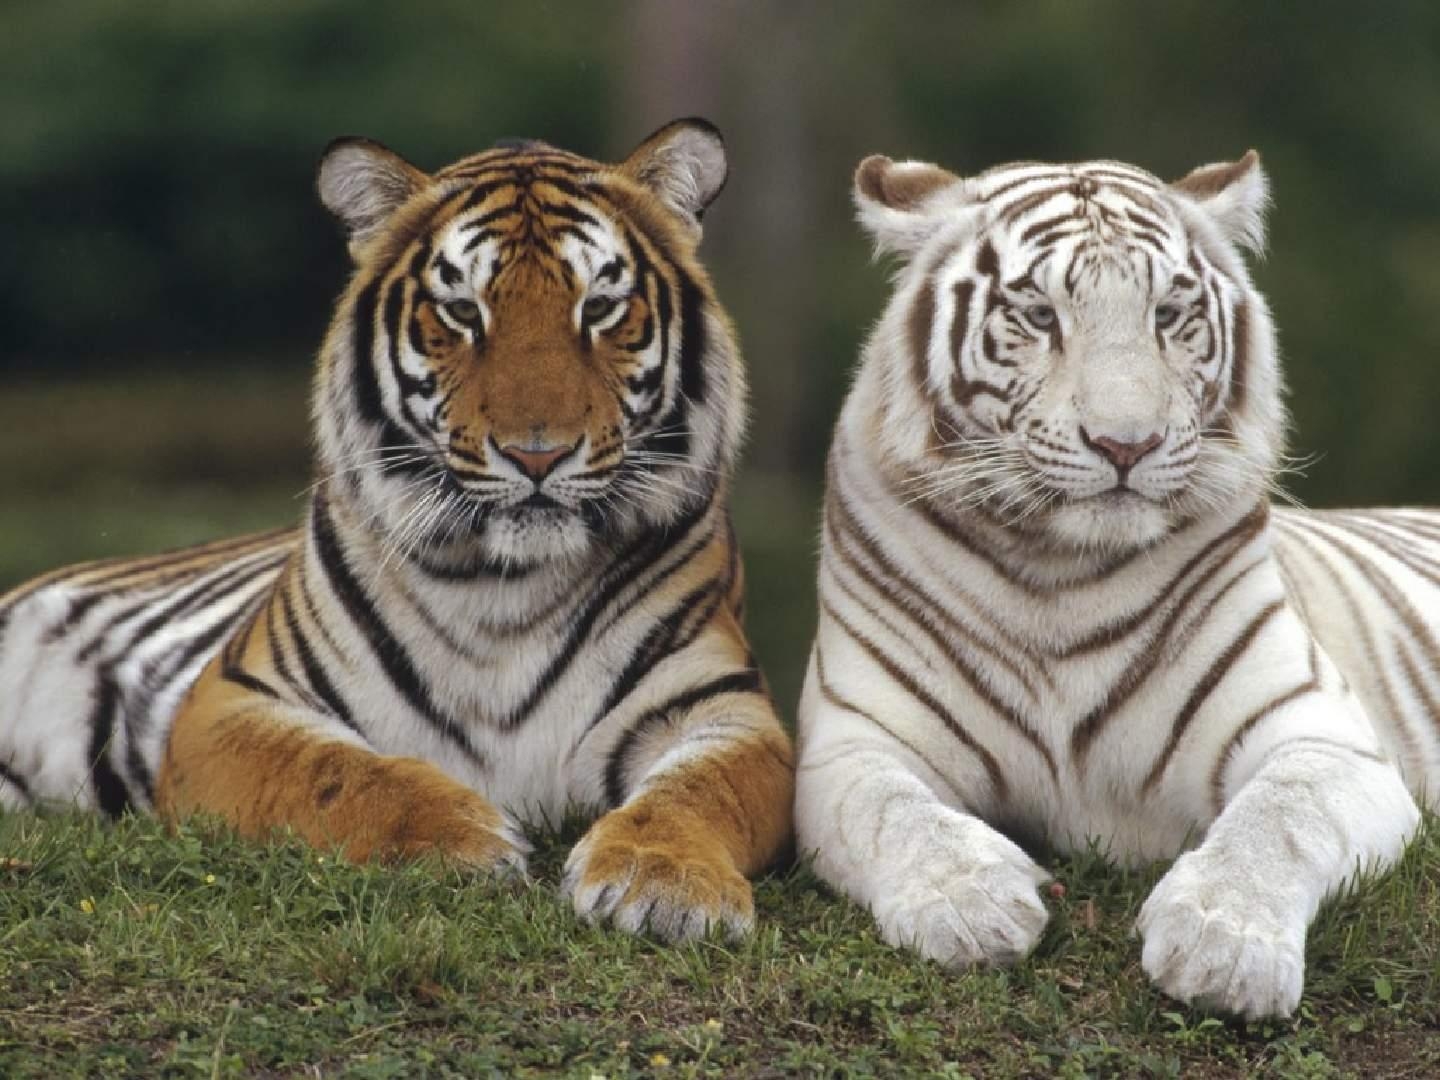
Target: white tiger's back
(1366, 582)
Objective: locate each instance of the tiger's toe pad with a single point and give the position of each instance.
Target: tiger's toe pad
(499, 850)
(663, 881)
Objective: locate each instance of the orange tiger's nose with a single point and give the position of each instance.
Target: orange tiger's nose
(536, 464)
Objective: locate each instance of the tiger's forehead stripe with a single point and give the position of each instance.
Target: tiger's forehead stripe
(520, 212)
(1014, 191)
(524, 203)
(1059, 223)
(506, 186)
(994, 185)
(554, 161)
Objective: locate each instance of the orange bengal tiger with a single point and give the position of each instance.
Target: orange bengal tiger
(516, 590)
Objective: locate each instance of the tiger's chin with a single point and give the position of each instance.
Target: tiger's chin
(534, 537)
(1115, 521)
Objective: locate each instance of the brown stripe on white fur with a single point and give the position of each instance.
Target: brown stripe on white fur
(1074, 614)
(908, 592)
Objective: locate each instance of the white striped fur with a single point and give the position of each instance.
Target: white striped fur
(1055, 602)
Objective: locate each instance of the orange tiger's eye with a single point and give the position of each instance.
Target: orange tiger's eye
(465, 311)
(596, 308)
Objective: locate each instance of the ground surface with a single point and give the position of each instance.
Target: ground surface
(128, 951)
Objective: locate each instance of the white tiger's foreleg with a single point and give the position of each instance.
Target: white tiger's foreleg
(937, 879)
(1225, 928)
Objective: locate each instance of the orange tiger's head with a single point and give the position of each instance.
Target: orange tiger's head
(529, 357)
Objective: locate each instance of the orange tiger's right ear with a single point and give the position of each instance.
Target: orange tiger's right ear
(363, 183)
(898, 202)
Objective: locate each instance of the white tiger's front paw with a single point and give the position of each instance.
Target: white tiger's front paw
(1210, 942)
(963, 895)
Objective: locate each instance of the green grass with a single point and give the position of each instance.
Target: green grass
(126, 950)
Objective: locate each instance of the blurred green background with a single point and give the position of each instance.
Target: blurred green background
(165, 271)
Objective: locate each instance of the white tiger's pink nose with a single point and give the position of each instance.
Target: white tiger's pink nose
(1123, 455)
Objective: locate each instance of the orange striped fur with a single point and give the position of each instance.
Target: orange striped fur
(516, 591)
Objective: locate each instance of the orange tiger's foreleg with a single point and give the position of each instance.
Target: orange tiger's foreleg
(674, 857)
(262, 765)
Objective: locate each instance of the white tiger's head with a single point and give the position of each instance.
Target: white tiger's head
(1076, 351)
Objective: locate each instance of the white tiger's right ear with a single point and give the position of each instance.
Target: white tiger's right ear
(898, 201)
(363, 183)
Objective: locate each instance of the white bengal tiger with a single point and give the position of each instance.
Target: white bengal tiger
(1055, 601)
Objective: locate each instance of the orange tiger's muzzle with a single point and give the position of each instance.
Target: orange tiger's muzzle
(533, 392)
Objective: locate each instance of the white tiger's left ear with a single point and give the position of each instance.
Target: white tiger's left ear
(684, 164)
(1235, 195)
(898, 201)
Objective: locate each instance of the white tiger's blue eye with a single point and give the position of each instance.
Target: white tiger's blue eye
(1041, 316)
(1166, 315)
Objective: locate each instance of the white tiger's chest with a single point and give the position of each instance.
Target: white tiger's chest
(1068, 797)
(1114, 684)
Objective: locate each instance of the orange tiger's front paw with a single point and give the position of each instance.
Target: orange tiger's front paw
(430, 814)
(468, 839)
(668, 877)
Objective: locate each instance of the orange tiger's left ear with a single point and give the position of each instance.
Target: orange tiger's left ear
(683, 163)
(363, 183)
